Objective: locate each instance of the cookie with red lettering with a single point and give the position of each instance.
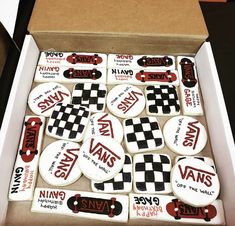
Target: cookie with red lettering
(58, 163)
(185, 135)
(104, 124)
(101, 158)
(194, 182)
(90, 95)
(152, 173)
(125, 101)
(44, 97)
(142, 134)
(68, 122)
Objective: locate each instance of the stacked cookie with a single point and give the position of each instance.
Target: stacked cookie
(109, 128)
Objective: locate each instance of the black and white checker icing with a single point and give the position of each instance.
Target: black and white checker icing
(122, 182)
(152, 173)
(162, 100)
(92, 96)
(68, 121)
(142, 134)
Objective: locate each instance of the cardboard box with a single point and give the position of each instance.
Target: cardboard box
(132, 26)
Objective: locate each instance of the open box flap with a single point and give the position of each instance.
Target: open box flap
(108, 22)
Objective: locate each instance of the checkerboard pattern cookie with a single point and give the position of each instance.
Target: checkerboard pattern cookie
(152, 173)
(121, 183)
(90, 95)
(68, 122)
(162, 100)
(142, 134)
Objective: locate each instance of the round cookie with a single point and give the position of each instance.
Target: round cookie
(104, 124)
(45, 96)
(58, 163)
(125, 101)
(194, 182)
(101, 158)
(185, 135)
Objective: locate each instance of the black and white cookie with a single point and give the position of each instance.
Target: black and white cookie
(162, 100)
(121, 183)
(90, 95)
(152, 173)
(68, 122)
(142, 134)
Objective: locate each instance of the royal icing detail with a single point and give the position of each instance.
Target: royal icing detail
(141, 61)
(85, 60)
(25, 170)
(44, 97)
(125, 101)
(69, 74)
(194, 182)
(142, 134)
(58, 163)
(101, 158)
(88, 205)
(92, 96)
(189, 88)
(185, 135)
(170, 209)
(152, 173)
(104, 124)
(121, 183)
(68, 122)
(162, 100)
(142, 77)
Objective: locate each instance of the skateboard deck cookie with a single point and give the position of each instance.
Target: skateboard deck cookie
(68, 122)
(141, 61)
(162, 100)
(151, 173)
(170, 209)
(58, 163)
(104, 124)
(90, 205)
(26, 166)
(142, 77)
(101, 158)
(88, 60)
(125, 101)
(92, 96)
(44, 97)
(189, 88)
(70, 74)
(185, 135)
(142, 134)
(121, 183)
(194, 182)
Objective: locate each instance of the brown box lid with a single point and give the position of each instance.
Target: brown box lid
(155, 20)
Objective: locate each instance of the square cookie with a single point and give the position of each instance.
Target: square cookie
(142, 134)
(121, 183)
(90, 95)
(68, 122)
(162, 100)
(152, 173)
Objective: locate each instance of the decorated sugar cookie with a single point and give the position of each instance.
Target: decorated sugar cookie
(185, 135)
(44, 97)
(58, 164)
(194, 182)
(90, 95)
(152, 173)
(104, 124)
(101, 158)
(142, 134)
(125, 101)
(162, 100)
(68, 122)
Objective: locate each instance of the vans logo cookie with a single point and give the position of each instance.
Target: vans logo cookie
(72, 73)
(155, 61)
(84, 59)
